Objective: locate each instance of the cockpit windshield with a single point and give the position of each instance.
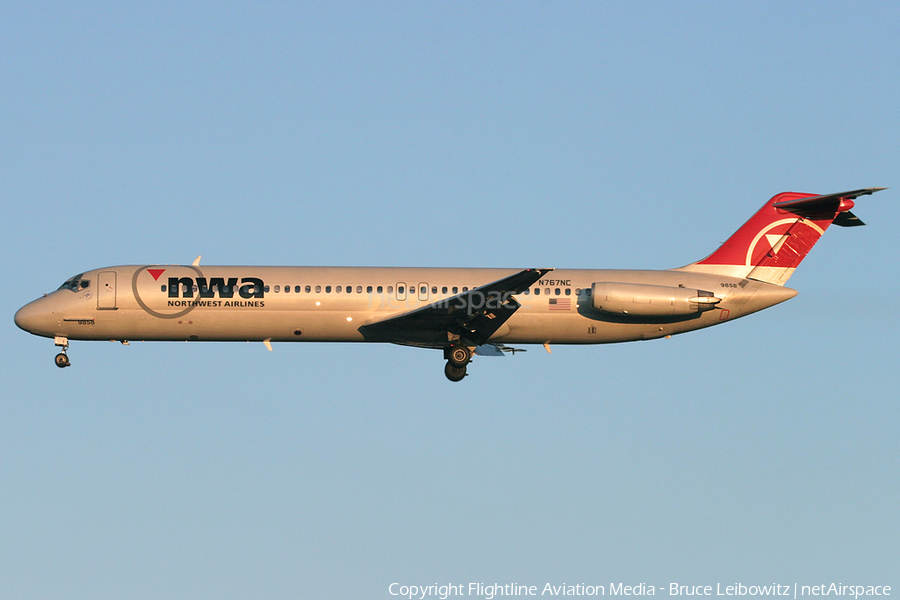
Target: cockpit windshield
(76, 283)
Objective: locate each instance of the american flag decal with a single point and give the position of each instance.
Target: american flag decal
(560, 304)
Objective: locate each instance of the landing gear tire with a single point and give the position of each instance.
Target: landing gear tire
(62, 360)
(459, 356)
(453, 372)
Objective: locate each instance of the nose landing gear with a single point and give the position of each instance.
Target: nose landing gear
(62, 359)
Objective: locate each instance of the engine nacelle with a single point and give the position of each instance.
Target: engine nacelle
(639, 300)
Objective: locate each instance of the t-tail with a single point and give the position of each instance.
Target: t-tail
(770, 246)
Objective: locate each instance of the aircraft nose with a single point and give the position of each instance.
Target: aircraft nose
(31, 316)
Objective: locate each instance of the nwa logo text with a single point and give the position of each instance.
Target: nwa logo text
(216, 287)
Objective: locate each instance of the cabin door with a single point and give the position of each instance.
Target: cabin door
(106, 290)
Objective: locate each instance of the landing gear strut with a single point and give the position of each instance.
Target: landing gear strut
(457, 359)
(62, 359)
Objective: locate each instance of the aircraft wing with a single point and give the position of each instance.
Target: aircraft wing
(471, 317)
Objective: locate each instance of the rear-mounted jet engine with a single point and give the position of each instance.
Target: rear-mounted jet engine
(640, 300)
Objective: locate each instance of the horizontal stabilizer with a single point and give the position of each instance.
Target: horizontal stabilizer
(847, 219)
(811, 206)
(811, 203)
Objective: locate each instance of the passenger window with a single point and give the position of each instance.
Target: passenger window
(327, 289)
(369, 289)
(277, 288)
(297, 289)
(379, 289)
(359, 289)
(401, 289)
(337, 290)
(455, 290)
(390, 289)
(557, 291)
(568, 291)
(444, 290)
(537, 291)
(318, 289)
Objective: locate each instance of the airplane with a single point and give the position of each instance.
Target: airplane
(459, 311)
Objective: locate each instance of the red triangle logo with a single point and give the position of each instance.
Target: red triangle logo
(156, 273)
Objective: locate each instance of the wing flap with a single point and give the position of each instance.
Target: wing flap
(495, 349)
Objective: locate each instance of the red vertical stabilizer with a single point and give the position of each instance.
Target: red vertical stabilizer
(770, 245)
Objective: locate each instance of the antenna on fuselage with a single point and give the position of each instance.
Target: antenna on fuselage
(196, 262)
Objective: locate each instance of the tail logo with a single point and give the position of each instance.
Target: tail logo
(775, 235)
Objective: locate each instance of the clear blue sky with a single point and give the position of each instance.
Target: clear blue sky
(606, 134)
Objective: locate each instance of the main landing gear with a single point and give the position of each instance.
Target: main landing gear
(457, 359)
(62, 359)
